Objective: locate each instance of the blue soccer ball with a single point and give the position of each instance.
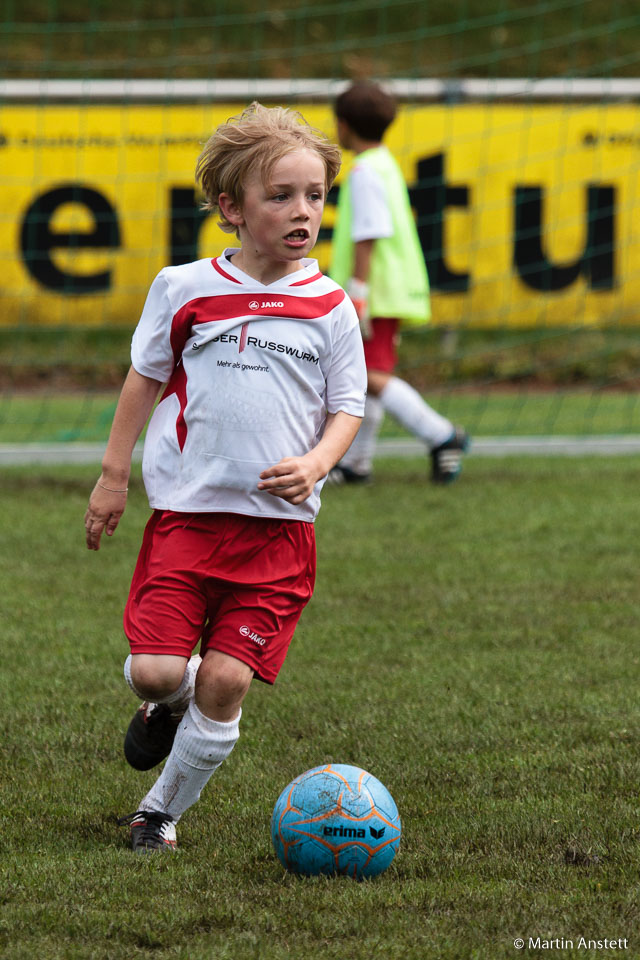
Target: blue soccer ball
(336, 819)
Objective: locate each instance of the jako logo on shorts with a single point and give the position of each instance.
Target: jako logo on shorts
(247, 632)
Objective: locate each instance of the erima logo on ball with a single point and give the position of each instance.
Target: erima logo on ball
(355, 833)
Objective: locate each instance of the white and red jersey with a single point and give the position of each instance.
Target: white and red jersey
(251, 373)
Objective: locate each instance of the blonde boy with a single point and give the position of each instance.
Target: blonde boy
(264, 375)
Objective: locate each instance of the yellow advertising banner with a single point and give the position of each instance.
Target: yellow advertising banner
(528, 215)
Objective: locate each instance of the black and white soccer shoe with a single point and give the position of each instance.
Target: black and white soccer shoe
(446, 460)
(150, 831)
(150, 735)
(339, 475)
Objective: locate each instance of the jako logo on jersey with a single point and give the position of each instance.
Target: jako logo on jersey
(254, 305)
(266, 304)
(247, 632)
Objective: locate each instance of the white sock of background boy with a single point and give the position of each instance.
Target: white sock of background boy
(179, 699)
(200, 746)
(359, 456)
(407, 406)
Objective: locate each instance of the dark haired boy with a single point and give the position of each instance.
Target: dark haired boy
(377, 258)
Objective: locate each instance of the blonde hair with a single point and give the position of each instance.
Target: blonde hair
(253, 142)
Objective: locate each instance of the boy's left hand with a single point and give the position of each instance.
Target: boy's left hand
(358, 292)
(292, 478)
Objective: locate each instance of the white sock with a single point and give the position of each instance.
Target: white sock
(127, 676)
(200, 746)
(359, 456)
(407, 406)
(179, 699)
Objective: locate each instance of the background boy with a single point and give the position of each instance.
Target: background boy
(265, 381)
(376, 256)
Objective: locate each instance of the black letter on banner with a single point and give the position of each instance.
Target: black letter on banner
(186, 222)
(596, 263)
(37, 240)
(430, 197)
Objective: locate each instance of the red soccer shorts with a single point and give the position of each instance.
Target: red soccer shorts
(239, 584)
(380, 350)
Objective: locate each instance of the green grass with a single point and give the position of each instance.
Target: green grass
(474, 647)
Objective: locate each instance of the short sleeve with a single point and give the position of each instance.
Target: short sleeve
(347, 375)
(371, 216)
(151, 350)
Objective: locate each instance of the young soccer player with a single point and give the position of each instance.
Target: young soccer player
(265, 383)
(377, 257)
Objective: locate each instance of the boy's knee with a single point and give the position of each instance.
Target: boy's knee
(221, 685)
(156, 677)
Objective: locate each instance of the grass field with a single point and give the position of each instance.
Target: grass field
(473, 647)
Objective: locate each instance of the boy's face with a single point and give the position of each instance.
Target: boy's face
(278, 223)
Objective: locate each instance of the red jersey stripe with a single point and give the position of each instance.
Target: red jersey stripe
(301, 283)
(226, 275)
(229, 306)
(178, 385)
(249, 306)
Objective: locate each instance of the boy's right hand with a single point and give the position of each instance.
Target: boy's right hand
(106, 506)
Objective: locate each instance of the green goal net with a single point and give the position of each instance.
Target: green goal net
(517, 133)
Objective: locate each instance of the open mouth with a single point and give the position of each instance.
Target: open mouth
(298, 236)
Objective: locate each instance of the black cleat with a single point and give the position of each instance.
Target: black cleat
(339, 475)
(150, 735)
(446, 460)
(150, 832)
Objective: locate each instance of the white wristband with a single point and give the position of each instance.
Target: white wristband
(358, 289)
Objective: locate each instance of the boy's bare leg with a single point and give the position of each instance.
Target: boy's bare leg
(222, 684)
